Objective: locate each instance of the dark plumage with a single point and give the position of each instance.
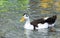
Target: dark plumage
(36, 22)
(50, 20)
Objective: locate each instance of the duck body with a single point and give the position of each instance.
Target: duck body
(36, 25)
(39, 23)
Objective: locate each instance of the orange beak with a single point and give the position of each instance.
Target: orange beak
(22, 19)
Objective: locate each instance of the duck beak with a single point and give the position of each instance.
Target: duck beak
(22, 19)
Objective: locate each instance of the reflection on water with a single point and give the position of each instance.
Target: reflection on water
(36, 34)
(42, 33)
(28, 33)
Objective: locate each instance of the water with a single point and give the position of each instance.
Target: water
(11, 27)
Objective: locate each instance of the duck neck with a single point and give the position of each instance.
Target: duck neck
(27, 21)
(27, 24)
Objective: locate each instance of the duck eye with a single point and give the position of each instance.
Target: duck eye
(24, 14)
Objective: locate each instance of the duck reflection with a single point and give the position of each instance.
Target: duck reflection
(36, 33)
(28, 33)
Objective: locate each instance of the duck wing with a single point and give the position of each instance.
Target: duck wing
(36, 22)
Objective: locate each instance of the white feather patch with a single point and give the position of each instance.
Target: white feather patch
(46, 18)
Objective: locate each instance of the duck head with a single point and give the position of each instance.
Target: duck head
(24, 17)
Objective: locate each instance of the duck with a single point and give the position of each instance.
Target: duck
(41, 23)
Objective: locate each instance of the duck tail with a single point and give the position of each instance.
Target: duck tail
(51, 20)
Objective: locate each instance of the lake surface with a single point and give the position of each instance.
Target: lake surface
(11, 27)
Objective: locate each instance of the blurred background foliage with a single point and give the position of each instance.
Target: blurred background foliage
(13, 5)
(51, 6)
